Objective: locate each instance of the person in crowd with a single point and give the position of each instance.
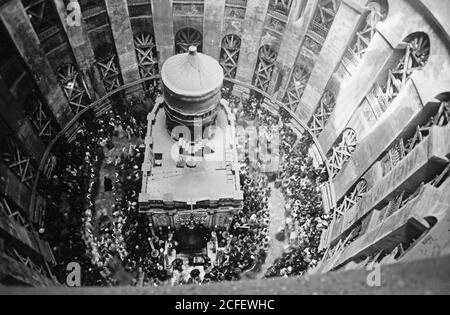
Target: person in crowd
(107, 183)
(125, 240)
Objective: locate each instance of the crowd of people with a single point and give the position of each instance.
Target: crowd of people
(305, 218)
(120, 241)
(103, 229)
(70, 193)
(77, 231)
(248, 110)
(243, 248)
(147, 248)
(299, 182)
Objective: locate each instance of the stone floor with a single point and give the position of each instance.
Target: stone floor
(105, 200)
(277, 222)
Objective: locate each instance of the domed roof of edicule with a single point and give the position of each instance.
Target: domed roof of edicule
(192, 74)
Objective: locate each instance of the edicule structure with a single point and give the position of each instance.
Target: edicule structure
(191, 172)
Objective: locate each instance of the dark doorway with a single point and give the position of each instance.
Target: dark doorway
(192, 241)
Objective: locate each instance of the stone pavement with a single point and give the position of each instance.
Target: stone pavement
(277, 222)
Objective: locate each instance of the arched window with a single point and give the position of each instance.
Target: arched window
(146, 54)
(74, 87)
(323, 113)
(107, 65)
(186, 38)
(342, 152)
(432, 221)
(264, 69)
(296, 86)
(37, 113)
(229, 56)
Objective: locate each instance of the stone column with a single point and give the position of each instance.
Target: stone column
(354, 90)
(345, 25)
(82, 50)
(163, 28)
(119, 18)
(18, 25)
(294, 35)
(255, 17)
(213, 27)
(16, 121)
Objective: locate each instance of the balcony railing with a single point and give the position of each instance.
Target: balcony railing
(350, 61)
(424, 162)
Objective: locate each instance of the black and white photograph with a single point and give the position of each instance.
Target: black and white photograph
(224, 155)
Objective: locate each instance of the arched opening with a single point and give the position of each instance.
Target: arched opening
(192, 240)
(264, 69)
(146, 54)
(73, 86)
(432, 221)
(229, 56)
(108, 67)
(186, 38)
